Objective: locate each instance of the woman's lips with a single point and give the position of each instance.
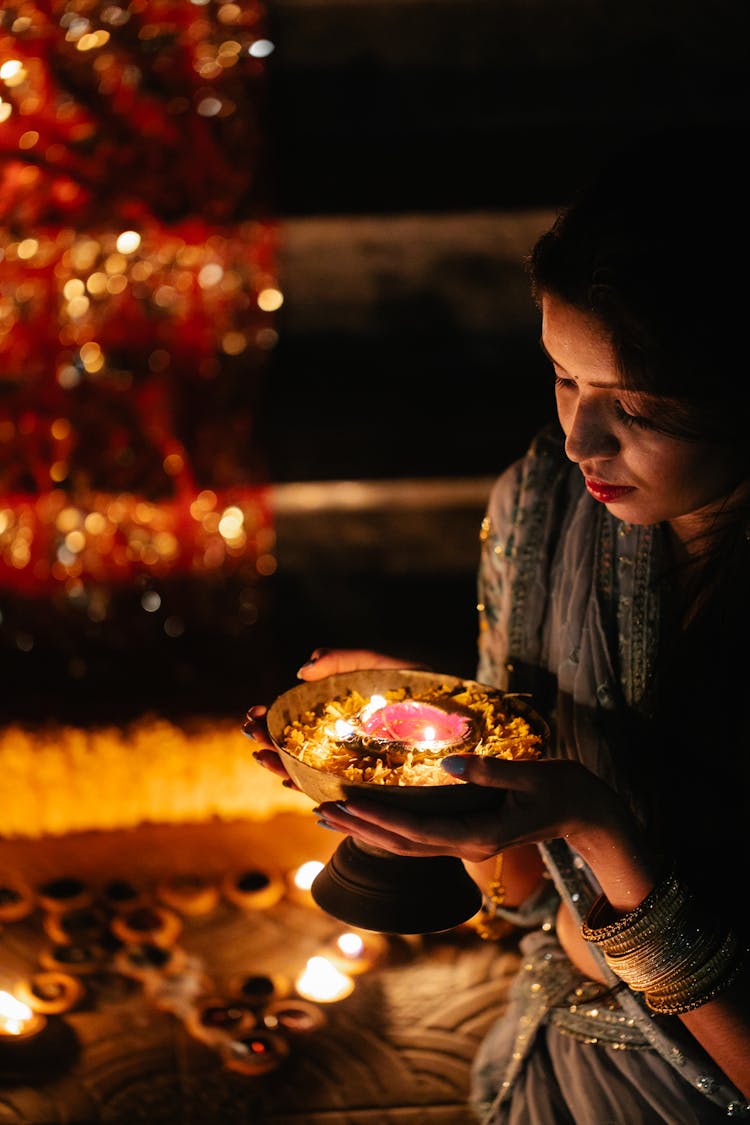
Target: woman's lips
(607, 493)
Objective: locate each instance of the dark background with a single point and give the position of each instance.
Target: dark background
(416, 149)
(460, 127)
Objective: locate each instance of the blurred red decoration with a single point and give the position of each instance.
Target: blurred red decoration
(137, 290)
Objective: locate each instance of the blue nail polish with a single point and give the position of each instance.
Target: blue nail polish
(325, 824)
(455, 765)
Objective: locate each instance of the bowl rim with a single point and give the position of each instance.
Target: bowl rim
(310, 693)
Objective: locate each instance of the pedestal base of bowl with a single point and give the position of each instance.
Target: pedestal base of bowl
(375, 890)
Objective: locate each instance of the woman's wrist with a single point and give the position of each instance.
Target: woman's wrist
(669, 947)
(625, 868)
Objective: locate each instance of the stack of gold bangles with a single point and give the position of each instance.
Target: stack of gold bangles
(666, 948)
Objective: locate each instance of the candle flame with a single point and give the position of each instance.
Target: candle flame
(374, 704)
(323, 982)
(341, 730)
(14, 1014)
(305, 874)
(351, 945)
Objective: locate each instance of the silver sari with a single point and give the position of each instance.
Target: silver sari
(569, 610)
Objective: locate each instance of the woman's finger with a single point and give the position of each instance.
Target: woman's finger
(366, 833)
(255, 727)
(330, 662)
(271, 761)
(496, 773)
(413, 834)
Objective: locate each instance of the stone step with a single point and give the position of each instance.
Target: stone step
(395, 527)
(408, 347)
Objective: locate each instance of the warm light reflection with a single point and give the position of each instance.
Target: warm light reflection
(351, 945)
(353, 953)
(322, 981)
(305, 874)
(17, 1020)
(128, 242)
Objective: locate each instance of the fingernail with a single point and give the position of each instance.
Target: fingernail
(455, 765)
(313, 658)
(325, 824)
(320, 810)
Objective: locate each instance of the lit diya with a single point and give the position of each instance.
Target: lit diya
(321, 981)
(356, 953)
(382, 734)
(18, 1022)
(254, 1053)
(300, 880)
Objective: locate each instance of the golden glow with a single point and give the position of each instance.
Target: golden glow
(92, 40)
(73, 288)
(27, 248)
(304, 876)
(322, 981)
(269, 300)
(234, 343)
(12, 72)
(15, 1017)
(128, 242)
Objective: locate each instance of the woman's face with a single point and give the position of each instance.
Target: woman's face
(640, 474)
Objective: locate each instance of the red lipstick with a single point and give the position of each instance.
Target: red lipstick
(607, 493)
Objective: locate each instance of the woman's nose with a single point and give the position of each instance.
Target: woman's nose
(589, 434)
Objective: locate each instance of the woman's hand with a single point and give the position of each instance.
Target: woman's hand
(536, 801)
(330, 661)
(256, 727)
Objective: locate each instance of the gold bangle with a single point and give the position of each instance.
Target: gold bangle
(677, 1006)
(663, 896)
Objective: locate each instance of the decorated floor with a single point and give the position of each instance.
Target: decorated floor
(397, 1049)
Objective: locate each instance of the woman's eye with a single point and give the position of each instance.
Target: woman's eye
(560, 382)
(628, 419)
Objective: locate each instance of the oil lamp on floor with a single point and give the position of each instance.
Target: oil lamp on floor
(18, 1022)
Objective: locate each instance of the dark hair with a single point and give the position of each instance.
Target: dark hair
(656, 247)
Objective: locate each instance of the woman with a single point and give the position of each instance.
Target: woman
(614, 588)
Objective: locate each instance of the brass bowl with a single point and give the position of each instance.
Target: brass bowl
(321, 785)
(366, 886)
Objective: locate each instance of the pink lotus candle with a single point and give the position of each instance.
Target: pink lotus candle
(423, 726)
